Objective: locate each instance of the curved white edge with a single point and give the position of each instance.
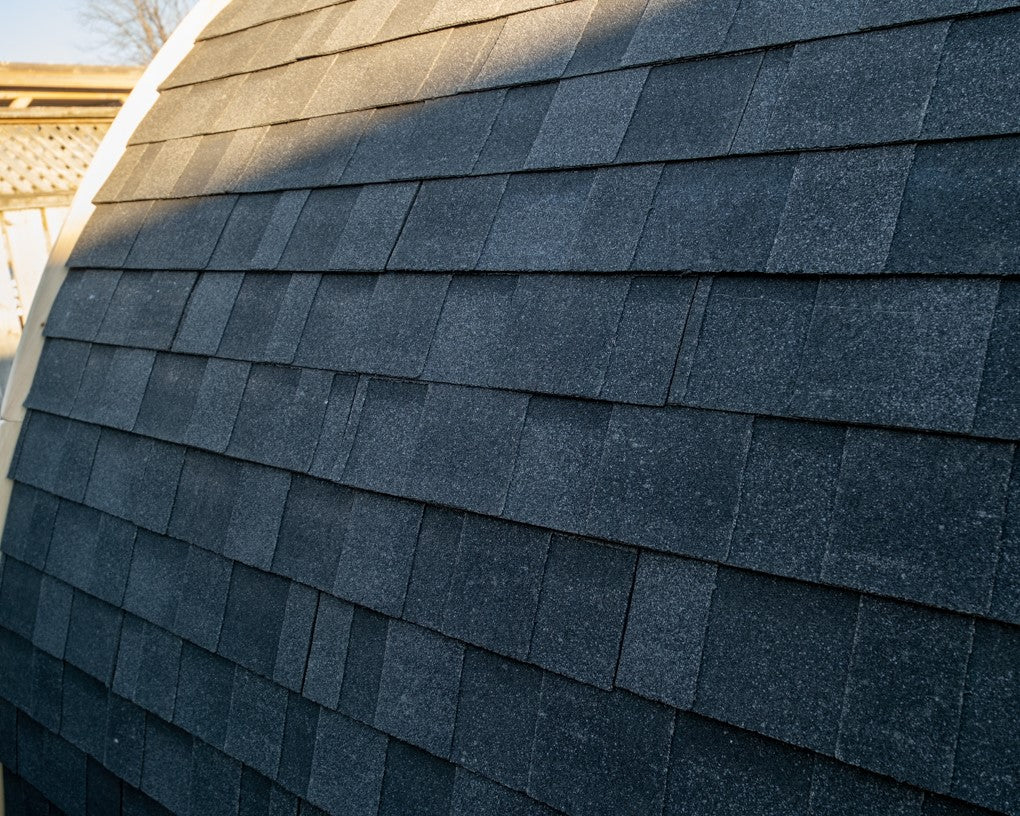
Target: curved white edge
(138, 104)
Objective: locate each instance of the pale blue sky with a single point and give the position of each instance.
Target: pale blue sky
(44, 31)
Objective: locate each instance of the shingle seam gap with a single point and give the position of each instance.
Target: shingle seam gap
(960, 702)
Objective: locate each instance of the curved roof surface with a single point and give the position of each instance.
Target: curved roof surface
(596, 407)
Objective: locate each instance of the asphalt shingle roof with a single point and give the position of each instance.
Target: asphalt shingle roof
(584, 407)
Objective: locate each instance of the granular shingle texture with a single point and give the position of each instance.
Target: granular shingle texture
(535, 407)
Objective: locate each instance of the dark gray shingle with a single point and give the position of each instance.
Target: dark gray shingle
(587, 119)
(895, 352)
(863, 89)
(669, 479)
(498, 711)
(466, 448)
(777, 666)
(666, 623)
(974, 95)
(690, 109)
(902, 706)
(724, 771)
(715, 216)
(841, 211)
(787, 498)
(918, 518)
(598, 753)
(557, 462)
(494, 589)
(959, 207)
(579, 623)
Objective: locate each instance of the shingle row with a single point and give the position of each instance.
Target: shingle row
(677, 648)
(689, 109)
(595, 775)
(242, 42)
(708, 488)
(936, 209)
(899, 351)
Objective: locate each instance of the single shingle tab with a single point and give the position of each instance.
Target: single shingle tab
(787, 498)
(328, 652)
(93, 636)
(257, 231)
(499, 702)
(907, 354)
(466, 446)
(415, 782)
(974, 95)
(359, 693)
(516, 127)
(448, 224)
(557, 462)
(598, 753)
(256, 605)
(998, 408)
(905, 505)
(387, 434)
(716, 216)
(959, 210)
(606, 37)
(109, 235)
(255, 723)
(170, 396)
(494, 591)
(537, 221)
(777, 667)
(668, 30)
(587, 119)
(467, 344)
(750, 342)
(841, 211)
(614, 217)
(55, 384)
(863, 89)
(418, 687)
(560, 333)
(207, 313)
(204, 690)
(135, 478)
(378, 549)
(991, 689)
(81, 303)
(517, 58)
(295, 636)
(368, 238)
(839, 790)
(180, 233)
(347, 766)
(720, 770)
(312, 532)
(206, 582)
(56, 455)
(154, 587)
(690, 109)
(579, 622)
(666, 623)
(669, 479)
(449, 135)
(280, 416)
(906, 681)
(145, 309)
